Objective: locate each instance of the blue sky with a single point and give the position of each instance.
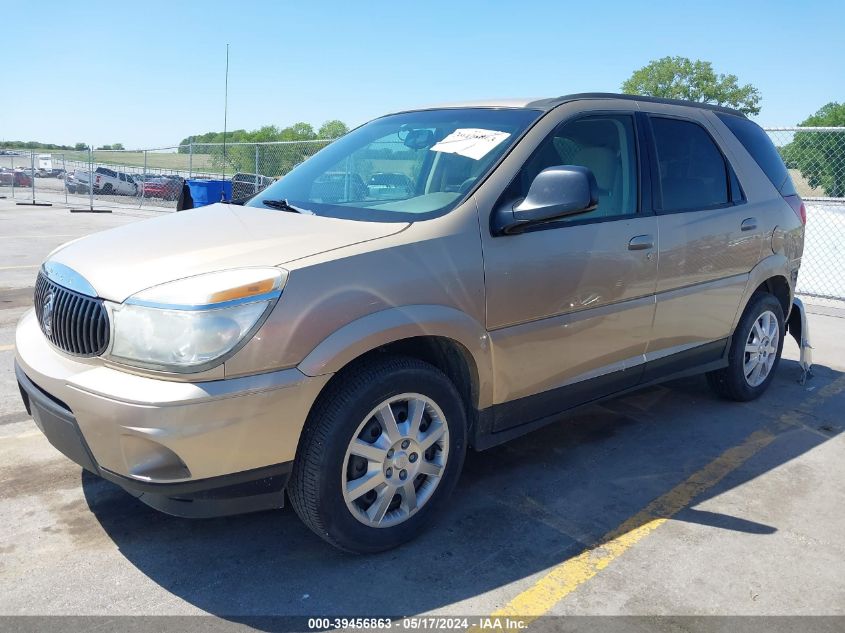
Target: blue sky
(150, 73)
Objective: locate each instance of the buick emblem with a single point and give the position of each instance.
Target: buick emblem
(47, 314)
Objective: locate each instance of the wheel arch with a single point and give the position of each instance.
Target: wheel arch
(770, 275)
(444, 337)
(779, 287)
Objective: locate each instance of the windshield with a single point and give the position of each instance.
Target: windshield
(404, 167)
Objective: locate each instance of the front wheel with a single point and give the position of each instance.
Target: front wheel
(380, 454)
(755, 351)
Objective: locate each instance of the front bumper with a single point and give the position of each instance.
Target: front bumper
(191, 449)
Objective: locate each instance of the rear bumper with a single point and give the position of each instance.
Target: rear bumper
(248, 491)
(799, 328)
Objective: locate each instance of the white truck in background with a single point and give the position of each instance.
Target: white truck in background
(108, 182)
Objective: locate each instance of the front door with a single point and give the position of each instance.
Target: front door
(570, 303)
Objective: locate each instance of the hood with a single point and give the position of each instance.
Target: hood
(122, 261)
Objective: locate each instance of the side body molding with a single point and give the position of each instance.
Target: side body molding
(395, 324)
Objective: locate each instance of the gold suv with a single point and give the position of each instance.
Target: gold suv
(435, 280)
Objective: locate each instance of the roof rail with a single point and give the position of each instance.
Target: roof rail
(556, 101)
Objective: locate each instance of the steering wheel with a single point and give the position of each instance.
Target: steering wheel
(467, 184)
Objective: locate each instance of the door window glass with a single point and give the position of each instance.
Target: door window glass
(692, 169)
(605, 144)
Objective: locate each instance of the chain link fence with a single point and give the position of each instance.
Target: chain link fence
(152, 178)
(149, 178)
(816, 161)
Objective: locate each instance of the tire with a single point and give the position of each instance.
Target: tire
(107, 189)
(324, 466)
(732, 382)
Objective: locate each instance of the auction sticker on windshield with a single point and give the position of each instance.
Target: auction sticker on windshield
(473, 143)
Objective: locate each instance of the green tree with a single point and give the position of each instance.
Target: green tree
(820, 155)
(332, 129)
(81, 147)
(299, 132)
(270, 160)
(682, 78)
(31, 145)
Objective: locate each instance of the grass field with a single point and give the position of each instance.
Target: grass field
(155, 160)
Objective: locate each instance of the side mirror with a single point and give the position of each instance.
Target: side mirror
(556, 192)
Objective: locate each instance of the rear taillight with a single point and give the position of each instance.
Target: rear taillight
(798, 206)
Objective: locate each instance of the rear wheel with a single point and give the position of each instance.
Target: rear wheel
(381, 452)
(755, 351)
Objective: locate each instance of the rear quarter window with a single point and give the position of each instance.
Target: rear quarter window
(757, 143)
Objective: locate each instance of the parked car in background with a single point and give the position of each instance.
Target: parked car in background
(15, 178)
(390, 185)
(164, 187)
(54, 172)
(337, 186)
(75, 182)
(245, 185)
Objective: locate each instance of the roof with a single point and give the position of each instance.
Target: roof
(553, 102)
(482, 103)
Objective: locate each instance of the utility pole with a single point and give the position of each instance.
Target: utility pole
(225, 116)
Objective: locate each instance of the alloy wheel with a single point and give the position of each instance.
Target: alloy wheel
(395, 460)
(761, 348)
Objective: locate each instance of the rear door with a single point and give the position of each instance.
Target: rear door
(709, 242)
(570, 303)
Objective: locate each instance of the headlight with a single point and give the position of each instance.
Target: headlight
(187, 325)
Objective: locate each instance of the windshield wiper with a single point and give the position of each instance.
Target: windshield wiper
(284, 205)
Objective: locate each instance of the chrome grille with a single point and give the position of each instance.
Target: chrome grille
(75, 323)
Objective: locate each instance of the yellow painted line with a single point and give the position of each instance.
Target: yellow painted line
(563, 579)
(6, 348)
(19, 267)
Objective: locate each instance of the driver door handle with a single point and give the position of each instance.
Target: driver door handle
(748, 224)
(641, 243)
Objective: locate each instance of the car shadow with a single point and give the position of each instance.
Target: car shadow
(519, 509)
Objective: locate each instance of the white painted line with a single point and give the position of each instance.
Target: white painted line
(30, 237)
(19, 267)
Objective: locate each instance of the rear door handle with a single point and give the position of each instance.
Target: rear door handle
(748, 224)
(641, 243)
